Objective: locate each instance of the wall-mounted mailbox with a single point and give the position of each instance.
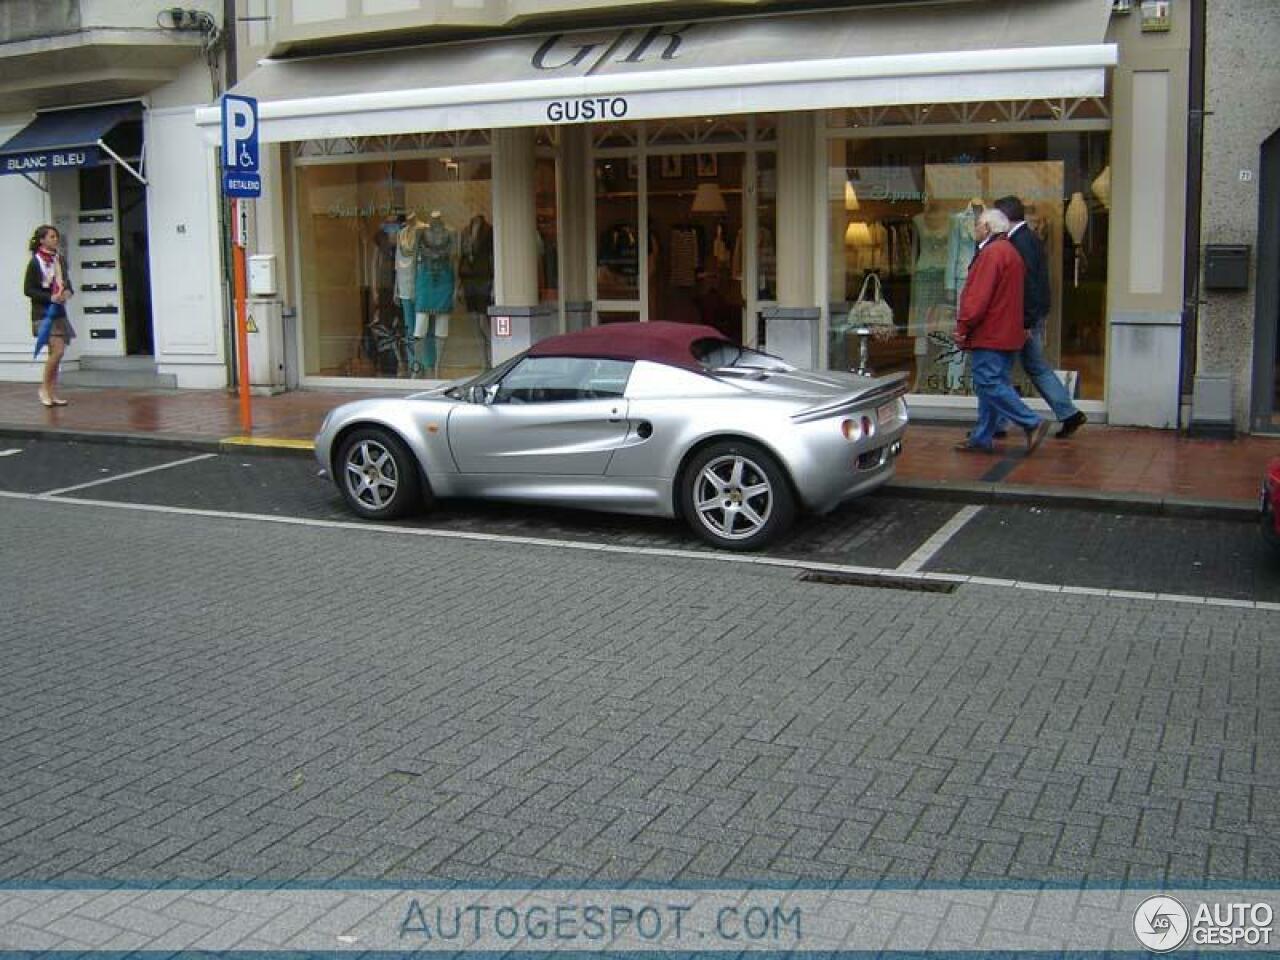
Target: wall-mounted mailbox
(1226, 266)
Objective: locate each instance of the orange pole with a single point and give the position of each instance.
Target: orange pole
(242, 326)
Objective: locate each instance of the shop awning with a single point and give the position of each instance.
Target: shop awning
(932, 52)
(65, 139)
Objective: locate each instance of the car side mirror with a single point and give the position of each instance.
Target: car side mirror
(482, 394)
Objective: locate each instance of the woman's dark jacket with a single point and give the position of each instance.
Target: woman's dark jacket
(40, 295)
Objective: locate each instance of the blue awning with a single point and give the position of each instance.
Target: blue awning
(65, 139)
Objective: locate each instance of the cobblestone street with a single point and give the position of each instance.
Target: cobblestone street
(194, 698)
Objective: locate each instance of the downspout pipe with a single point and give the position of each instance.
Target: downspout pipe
(1195, 186)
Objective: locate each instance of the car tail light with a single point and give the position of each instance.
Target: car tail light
(855, 429)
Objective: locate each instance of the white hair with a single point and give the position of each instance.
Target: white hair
(996, 221)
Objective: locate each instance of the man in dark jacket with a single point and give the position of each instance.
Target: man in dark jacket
(989, 324)
(1035, 307)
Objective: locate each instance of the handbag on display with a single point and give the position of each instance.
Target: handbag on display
(872, 311)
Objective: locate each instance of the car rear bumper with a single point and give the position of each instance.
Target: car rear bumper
(866, 471)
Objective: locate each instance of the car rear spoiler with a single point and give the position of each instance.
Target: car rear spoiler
(878, 390)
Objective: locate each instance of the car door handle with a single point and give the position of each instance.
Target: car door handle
(614, 418)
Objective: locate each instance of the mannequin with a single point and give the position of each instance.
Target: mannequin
(406, 274)
(475, 270)
(433, 289)
(961, 249)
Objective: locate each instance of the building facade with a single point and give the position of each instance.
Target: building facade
(97, 139)
(1237, 342)
(446, 182)
(435, 204)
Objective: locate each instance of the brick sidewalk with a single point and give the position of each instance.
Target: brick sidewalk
(1099, 460)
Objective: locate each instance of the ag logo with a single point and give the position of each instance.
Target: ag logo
(1161, 924)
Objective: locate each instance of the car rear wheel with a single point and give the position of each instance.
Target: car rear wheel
(377, 474)
(735, 495)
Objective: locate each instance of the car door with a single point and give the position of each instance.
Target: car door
(549, 416)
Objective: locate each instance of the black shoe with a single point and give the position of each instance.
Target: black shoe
(1071, 425)
(1035, 435)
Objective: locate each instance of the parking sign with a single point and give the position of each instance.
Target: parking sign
(240, 147)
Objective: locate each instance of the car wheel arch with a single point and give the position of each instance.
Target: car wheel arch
(340, 437)
(703, 442)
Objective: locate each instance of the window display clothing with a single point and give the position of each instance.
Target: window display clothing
(406, 265)
(435, 280)
(475, 264)
(686, 253)
(928, 280)
(619, 250)
(962, 243)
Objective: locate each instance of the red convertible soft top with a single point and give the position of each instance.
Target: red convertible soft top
(660, 341)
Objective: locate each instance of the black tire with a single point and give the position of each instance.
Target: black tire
(377, 474)
(734, 495)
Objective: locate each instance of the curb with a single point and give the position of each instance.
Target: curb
(248, 446)
(1143, 504)
(956, 492)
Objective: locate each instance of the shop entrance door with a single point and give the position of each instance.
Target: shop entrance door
(1266, 352)
(677, 238)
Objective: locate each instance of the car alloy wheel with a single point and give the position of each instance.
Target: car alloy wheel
(736, 496)
(379, 478)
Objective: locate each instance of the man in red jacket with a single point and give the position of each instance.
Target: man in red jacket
(989, 324)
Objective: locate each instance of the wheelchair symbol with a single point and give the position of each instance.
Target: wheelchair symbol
(246, 158)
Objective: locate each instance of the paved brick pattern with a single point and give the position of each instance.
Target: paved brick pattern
(191, 698)
(870, 531)
(1213, 558)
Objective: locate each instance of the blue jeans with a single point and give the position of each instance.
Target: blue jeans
(1042, 376)
(997, 400)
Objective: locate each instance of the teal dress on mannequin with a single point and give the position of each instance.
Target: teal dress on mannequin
(434, 282)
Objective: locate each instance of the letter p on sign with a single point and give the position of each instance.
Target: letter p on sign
(240, 134)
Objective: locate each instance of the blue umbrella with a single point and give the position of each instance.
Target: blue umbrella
(46, 326)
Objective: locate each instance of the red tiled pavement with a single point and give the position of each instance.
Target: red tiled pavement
(1115, 460)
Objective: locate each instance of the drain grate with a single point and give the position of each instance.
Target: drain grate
(880, 581)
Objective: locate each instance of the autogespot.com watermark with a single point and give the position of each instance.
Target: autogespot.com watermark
(1162, 924)
(603, 922)
(943, 920)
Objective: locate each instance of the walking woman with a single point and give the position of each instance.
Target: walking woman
(48, 286)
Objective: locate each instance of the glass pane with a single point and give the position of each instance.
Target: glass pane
(695, 253)
(617, 219)
(397, 267)
(548, 237)
(767, 214)
(903, 211)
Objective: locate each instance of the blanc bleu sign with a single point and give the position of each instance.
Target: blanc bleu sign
(590, 53)
(46, 160)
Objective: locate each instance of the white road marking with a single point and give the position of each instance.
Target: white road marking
(929, 549)
(10, 453)
(706, 556)
(125, 476)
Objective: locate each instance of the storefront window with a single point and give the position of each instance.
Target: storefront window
(617, 221)
(396, 265)
(695, 239)
(901, 214)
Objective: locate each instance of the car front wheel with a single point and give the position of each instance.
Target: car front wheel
(735, 495)
(377, 474)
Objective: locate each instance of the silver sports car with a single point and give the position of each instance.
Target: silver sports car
(664, 419)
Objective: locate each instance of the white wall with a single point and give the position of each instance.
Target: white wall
(186, 288)
(25, 207)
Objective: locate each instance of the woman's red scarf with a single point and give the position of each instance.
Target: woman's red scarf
(51, 269)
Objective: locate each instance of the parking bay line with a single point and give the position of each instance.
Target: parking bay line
(929, 549)
(705, 556)
(125, 476)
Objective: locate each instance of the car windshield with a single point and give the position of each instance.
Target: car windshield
(720, 354)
